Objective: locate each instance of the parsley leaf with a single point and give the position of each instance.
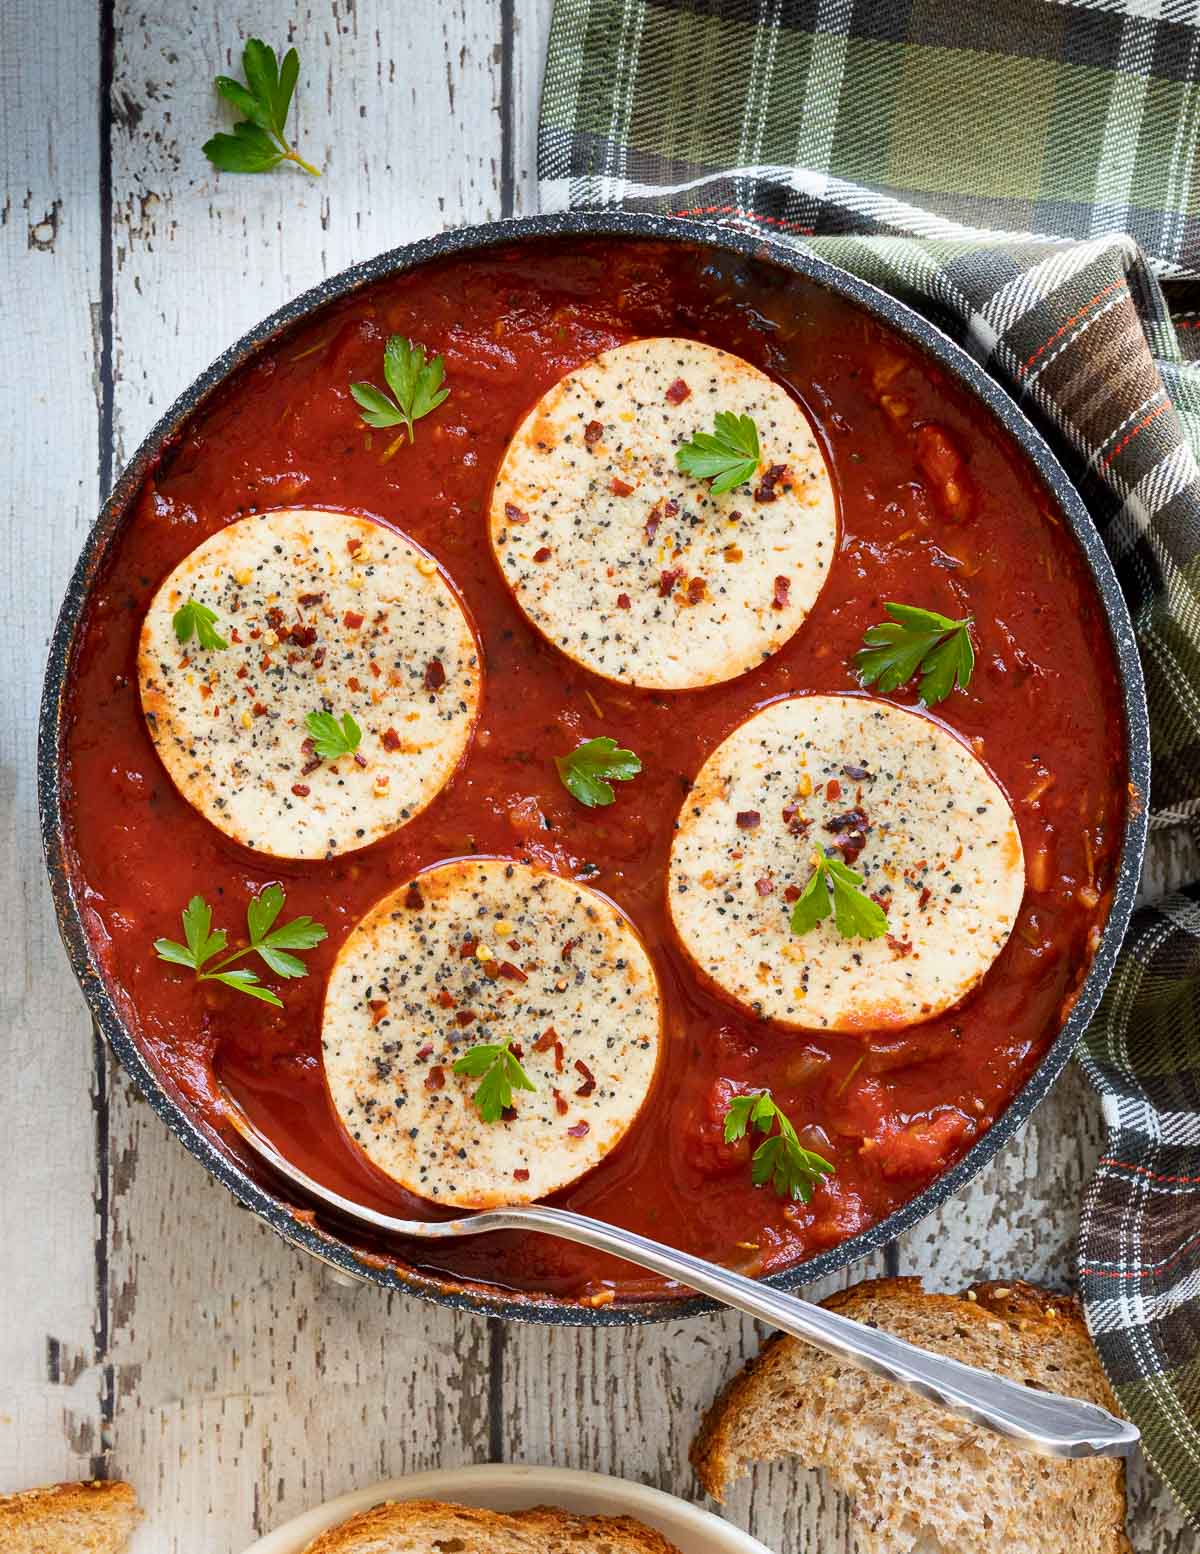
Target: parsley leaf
(584, 771)
(917, 639)
(330, 738)
(415, 380)
(258, 142)
(202, 943)
(498, 1071)
(727, 456)
(855, 914)
(780, 1159)
(192, 618)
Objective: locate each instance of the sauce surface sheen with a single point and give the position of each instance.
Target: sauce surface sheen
(938, 509)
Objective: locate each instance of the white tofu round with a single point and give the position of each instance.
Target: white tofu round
(629, 566)
(478, 951)
(321, 611)
(940, 850)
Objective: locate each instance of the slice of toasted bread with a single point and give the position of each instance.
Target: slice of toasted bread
(920, 1480)
(431, 1526)
(89, 1518)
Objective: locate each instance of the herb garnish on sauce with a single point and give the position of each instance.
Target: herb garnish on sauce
(584, 772)
(727, 456)
(782, 1160)
(258, 142)
(414, 379)
(917, 639)
(272, 944)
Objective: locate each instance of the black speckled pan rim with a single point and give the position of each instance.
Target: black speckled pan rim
(205, 1144)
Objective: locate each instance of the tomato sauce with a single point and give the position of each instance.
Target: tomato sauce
(938, 508)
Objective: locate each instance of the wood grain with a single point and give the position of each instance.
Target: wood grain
(149, 1328)
(50, 1383)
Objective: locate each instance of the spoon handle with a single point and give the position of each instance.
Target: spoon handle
(1038, 1421)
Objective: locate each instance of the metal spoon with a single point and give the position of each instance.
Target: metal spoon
(1037, 1421)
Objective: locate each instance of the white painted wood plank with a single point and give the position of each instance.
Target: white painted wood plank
(250, 1387)
(49, 229)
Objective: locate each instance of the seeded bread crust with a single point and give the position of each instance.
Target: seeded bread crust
(420, 1526)
(87, 1518)
(921, 1481)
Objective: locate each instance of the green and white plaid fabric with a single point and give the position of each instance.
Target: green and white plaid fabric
(1025, 172)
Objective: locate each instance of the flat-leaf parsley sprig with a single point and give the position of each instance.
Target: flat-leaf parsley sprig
(194, 619)
(333, 739)
(499, 1072)
(258, 142)
(273, 944)
(781, 1159)
(414, 379)
(727, 456)
(592, 767)
(855, 914)
(917, 639)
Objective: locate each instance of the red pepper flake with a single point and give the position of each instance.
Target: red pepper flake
(514, 514)
(623, 601)
(512, 973)
(509, 1114)
(264, 662)
(517, 1050)
(520, 1175)
(560, 1103)
(923, 898)
(259, 710)
(775, 476)
(764, 886)
(234, 635)
(301, 790)
(579, 1130)
(425, 1052)
(310, 767)
(467, 948)
(667, 581)
(900, 946)
(491, 970)
(883, 902)
(652, 523)
(242, 672)
(378, 1008)
(589, 1079)
(275, 618)
(311, 599)
(318, 658)
(375, 669)
(465, 1017)
(748, 819)
(620, 487)
(304, 636)
(389, 739)
(435, 1079)
(546, 1040)
(783, 587)
(360, 759)
(592, 433)
(696, 590)
(353, 683)
(833, 789)
(792, 893)
(565, 952)
(435, 675)
(352, 619)
(354, 546)
(413, 899)
(542, 553)
(678, 392)
(445, 998)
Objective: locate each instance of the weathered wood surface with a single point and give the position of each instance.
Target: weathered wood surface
(148, 1328)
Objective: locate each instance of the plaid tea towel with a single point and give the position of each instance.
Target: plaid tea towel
(1026, 173)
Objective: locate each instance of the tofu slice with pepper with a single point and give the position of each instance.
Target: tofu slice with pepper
(471, 954)
(892, 794)
(319, 612)
(633, 568)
